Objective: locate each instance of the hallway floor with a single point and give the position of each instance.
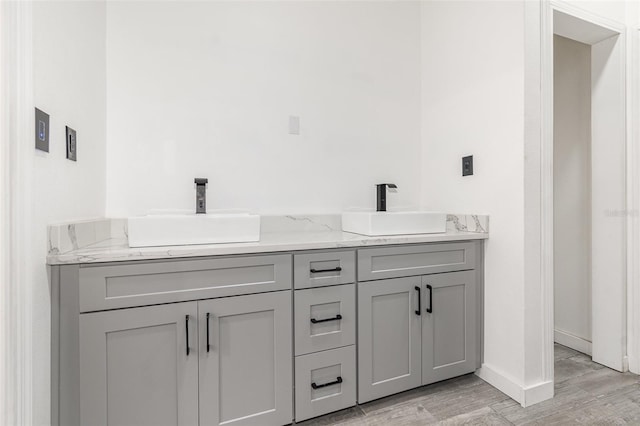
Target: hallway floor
(585, 393)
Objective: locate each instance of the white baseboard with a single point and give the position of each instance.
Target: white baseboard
(571, 341)
(526, 396)
(538, 393)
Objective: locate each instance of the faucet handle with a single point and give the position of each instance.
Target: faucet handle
(388, 185)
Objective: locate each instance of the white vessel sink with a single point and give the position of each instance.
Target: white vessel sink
(394, 223)
(183, 229)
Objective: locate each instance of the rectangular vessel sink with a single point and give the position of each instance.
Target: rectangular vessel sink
(183, 229)
(394, 223)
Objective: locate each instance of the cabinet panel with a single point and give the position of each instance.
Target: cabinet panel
(134, 367)
(246, 368)
(316, 311)
(135, 284)
(388, 337)
(449, 330)
(325, 382)
(411, 260)
(321, 269)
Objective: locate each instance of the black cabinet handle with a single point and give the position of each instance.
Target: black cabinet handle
(187, 328)
(430, 308)
(337, 381)
(336, 269)
(419, 311)
(336, 318)
(208, 315)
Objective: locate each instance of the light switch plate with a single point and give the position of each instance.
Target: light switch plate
(467, 165)
(42, 130)
(294, 125)
(72, 144)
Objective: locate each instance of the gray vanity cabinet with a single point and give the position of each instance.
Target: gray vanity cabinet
(448, 326)
(325, 332)
(134, 366)
(425, 325)
(149, 364)
(389, 324)
(211, 341)
(246, 360)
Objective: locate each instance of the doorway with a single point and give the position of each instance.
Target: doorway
(572, 193)
(589, 189)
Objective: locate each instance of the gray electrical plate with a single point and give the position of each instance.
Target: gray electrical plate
(72, 146)
(467, 165)
(42, 130)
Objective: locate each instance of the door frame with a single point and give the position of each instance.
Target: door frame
(633, 197)
(546, 181)
(16, 166)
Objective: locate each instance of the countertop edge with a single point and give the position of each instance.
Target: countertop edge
(270, 243)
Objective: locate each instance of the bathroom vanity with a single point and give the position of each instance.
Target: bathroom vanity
(264, 333)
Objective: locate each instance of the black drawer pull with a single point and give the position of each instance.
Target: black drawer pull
(418, 312)
(337, 381)
(186, 323)
(316, 271)
(336, 318)
(208, 344)
(430, 308)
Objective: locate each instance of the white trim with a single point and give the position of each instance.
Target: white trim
(526, 396)
(633, 218)
(546, 187)
(538, 393)
(6, 387)
(574, 342)
(16, 158)
(577, 12)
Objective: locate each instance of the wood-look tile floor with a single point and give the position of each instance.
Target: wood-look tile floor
(585, 393)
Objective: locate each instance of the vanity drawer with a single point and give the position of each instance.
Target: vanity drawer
(325, 382)
(327, 268)
(136, 284)
(392, 262)
(325, 318)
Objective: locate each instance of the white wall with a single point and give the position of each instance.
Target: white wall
(69, 84)
(572, 183)
(352, 70)
(473, 103)
(205, 89)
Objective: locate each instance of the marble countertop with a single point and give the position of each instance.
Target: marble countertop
(115, 248)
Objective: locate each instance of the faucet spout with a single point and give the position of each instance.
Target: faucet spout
(381, 195)
(201, 195)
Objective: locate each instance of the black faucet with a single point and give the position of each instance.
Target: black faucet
(201, 195)
(381, 195)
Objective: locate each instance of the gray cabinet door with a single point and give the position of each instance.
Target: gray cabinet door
(246, 368)
(449, 330)
(134, 367)
(388, 337)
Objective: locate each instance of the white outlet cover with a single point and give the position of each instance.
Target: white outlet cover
(294, 125)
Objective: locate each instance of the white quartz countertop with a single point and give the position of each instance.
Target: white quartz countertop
(117, 249)
(105, 240)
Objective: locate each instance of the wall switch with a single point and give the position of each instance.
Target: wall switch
(294, 125)
(467, 165)
(72, 146)
(42, 130)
